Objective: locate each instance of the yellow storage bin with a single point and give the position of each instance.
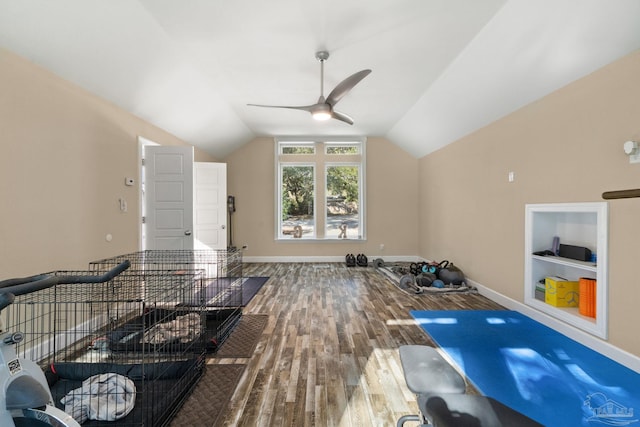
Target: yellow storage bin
(561, 292)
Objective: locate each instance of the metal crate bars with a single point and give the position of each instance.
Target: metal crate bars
(60, 323)
(221, 294)
(144, 327)
(215, 263)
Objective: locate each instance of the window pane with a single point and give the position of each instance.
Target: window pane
(298, 220)
(298, 149)
(343, 149)
(343, 202)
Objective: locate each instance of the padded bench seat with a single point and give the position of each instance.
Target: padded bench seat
(427, 372)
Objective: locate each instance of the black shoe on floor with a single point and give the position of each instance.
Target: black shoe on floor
(351, 260)
(362, 260)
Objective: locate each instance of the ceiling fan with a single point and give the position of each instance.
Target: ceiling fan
(324, 108)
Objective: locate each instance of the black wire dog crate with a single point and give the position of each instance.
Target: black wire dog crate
(221, 294)
(128, 351)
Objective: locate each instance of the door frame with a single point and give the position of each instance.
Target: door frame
(142, 143)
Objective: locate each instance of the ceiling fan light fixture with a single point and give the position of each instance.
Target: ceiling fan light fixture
(321, 112)
(321, 116)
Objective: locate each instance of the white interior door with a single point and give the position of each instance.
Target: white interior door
(168, 197)
(210, 205)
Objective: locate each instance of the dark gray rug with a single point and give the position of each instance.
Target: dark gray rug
(244, 338)
(207, 404)
(230, 291)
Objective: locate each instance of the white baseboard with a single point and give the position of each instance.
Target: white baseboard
(621, 356)
(268, 259)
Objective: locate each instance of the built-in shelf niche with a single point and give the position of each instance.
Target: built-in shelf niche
(578, 224)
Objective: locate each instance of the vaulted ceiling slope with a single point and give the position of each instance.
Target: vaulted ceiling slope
(441, 68)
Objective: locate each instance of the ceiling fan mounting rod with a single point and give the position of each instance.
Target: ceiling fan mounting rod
(322, 56)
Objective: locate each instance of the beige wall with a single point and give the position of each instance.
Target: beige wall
(65, 155)
(567, 147)
(392, 210)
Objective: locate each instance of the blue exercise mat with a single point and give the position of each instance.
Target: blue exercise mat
(534, 369)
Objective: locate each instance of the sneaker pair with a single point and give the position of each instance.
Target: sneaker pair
(350, 260)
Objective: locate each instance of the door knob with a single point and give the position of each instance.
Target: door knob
(223, 226)
(187, 232)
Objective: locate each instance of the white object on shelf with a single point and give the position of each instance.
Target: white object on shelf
(579, 224)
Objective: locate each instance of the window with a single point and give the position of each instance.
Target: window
(297, 148)
(298, 196)
(341, 149)
(321, 190)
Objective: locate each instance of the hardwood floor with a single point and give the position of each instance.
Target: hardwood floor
(329, 353)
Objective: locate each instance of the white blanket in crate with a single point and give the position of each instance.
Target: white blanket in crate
(106, 397)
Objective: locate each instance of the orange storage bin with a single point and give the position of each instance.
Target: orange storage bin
(587, 301)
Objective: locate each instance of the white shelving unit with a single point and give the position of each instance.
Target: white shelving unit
(578, 224)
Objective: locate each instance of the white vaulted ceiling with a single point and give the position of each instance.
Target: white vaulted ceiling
(441, 68)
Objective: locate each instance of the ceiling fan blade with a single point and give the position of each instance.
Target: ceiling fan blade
(345, 86)
(342, 117)
(302, 107)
